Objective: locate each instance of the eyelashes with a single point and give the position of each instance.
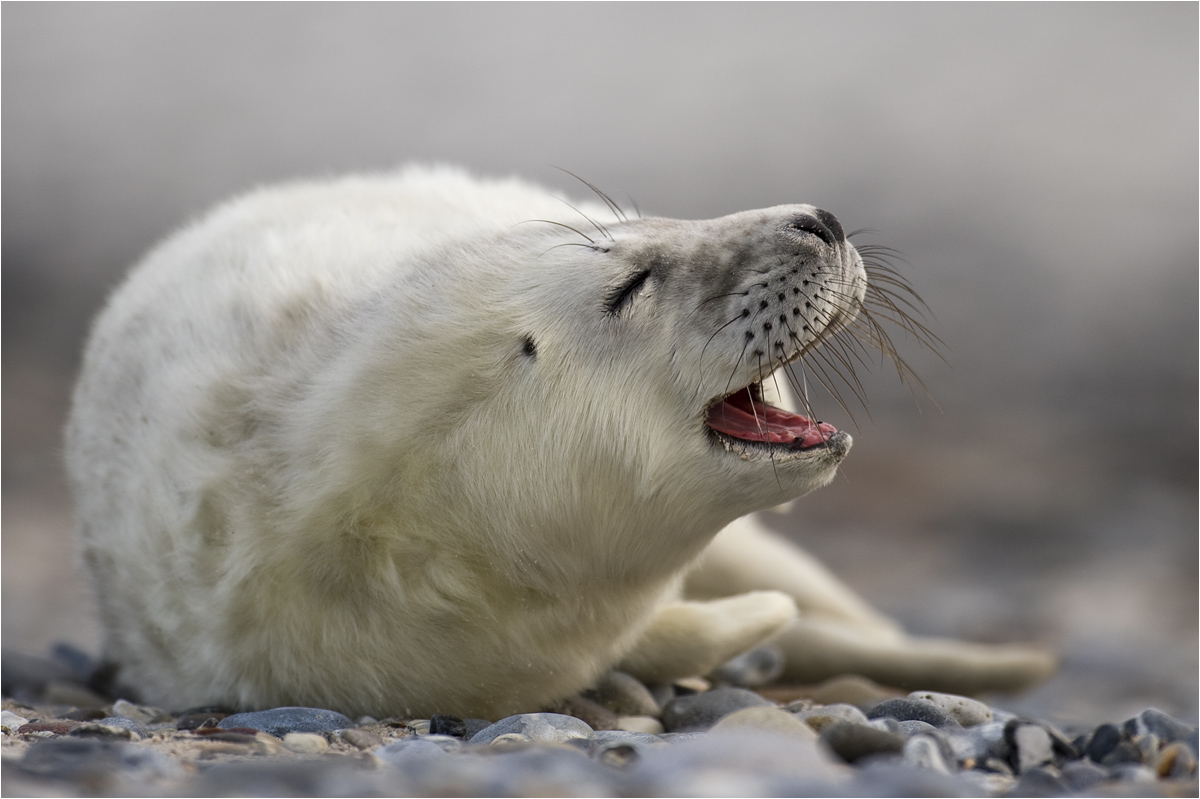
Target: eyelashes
(622, 296)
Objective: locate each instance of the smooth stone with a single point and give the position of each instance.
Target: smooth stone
(447, 725)
(759, 666)
(1040, 781)
(1166, 727)
(448, 743)
(852, 742)
(1103, 740)
(662, 693)
(910, 728)
(910, 710)
(644, 724)
(293, 777)
(474, 727)
(305, 743)
(975, 745)
(895, 777)
(593, 713)
(361, 739)
(966, 711)
(141, 714)
(1124, 752)
(282, 720)
(620, 748)
(700, 711)
(605, 737)
(1176, 761)
(10, 722)
(730, 763)
(766, 719)
(1032, 744)
(86, 758)
(823, 716)
(120, 722)
(513, 738)
(1082, 775)
(410, 753)
(851, 690)
(624, 695)
(1132, 772)
(924, 751)
(543, 727)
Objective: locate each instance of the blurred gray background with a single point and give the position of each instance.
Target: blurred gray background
(1036, 164)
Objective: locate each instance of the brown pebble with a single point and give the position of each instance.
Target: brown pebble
(1175, 762)
(56, 726)
(597, 716)
(363, 739)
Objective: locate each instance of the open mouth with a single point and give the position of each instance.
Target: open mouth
(744, 416)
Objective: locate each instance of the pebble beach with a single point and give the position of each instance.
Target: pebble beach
(732, 734)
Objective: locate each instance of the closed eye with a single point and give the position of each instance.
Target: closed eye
(622, 296)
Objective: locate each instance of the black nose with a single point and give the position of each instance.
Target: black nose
(821, 224)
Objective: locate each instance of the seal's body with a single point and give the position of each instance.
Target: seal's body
(392, 445)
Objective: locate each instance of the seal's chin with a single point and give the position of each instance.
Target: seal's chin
(752, 428)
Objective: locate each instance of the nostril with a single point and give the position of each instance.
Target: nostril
(813, 225)
(830, 221)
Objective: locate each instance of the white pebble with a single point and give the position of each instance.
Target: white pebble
(11, 722)
(305, 743)
(966, 711)
(646, 724)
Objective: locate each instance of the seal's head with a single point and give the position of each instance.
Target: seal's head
(631, 366)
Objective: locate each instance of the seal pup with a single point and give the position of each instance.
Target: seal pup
(417, 443)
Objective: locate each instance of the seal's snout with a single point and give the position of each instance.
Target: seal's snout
(821, 224)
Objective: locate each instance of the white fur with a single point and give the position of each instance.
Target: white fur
(314, 465)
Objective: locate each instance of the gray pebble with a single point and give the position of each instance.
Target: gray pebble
(1153, 720)
(910, 710)
(1082, 775)
(1041, 781)
(448, 743)
(966, 711)
(115, 721)
(852, 742)
(1124, 752)
(1103, 740)
(410, 754)
(914, 727)
(734, 763)
(96, 760)
(979, 743)
(544, 727)
(624, 695)
(924, 751)
(888, 777)
(823, 716)
(701, 711)
(282, 720)
(139, 713)
(447, 725)
(1132, 772)
(751, 669)
(623, 737)
(1032, 746)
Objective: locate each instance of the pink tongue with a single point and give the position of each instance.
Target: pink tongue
(744, 417)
